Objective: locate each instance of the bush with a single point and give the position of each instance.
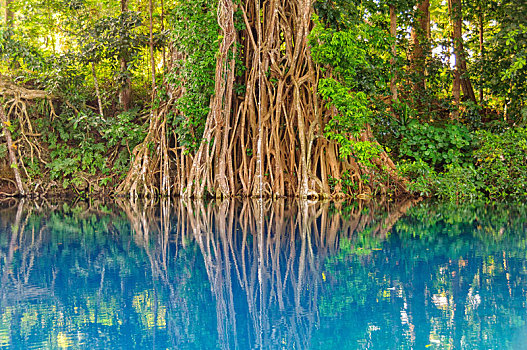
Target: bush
(501, 161)
(500, 170)
(420, 175)
(457, 183)
(437, 146)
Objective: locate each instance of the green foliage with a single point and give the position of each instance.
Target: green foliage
(195, 36)
(114, 36)
(353, 107)
(16, 51)
(348, 184)
(54, 44)
(502, 68)
(358, 57)
(81, 144)
(3, 150)
(123, 130)
(502, 162)
(456, 183)
(117, 39)
(354, 58)
(341, 14)
(438, 146)
(421, 176)
(71, 160)
(500, 170)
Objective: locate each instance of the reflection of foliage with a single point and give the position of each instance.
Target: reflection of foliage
(84, 256)
(493, 227)
(90, 275)
(442, 270)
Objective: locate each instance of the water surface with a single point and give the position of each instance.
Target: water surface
(242, 275)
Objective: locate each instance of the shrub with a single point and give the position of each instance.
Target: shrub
(437, 146)
(420, 175)
(501, 161)
(456, 183)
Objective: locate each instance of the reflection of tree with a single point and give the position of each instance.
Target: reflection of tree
(270, 253)
(449, 277)
(15, 283)
(176, 272)
(58, 268)
(260, 274)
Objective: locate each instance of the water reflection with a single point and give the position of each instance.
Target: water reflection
(238, 275)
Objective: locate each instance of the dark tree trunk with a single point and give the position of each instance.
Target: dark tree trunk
(97, 90)
(455, 17)
(481, 52)
(8, 13)
(461, 80)
(12, 157)
(393, 33)
(420, 46)
(125, 93)
(151, 44)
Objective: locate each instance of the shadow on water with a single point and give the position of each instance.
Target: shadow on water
(251, 274)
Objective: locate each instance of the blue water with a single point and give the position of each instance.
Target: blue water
(252, 275)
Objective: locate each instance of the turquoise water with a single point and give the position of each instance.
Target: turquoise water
(252, 275)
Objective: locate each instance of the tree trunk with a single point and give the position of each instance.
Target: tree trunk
(12, 158)
(162, 31)
(8, 14)
(125, 93)
(461, 80)
(420, 48)
(97, 91)
(268, 140)
(481, 52)
(393, 33)
(151, 44)
(466, 84)
(213, 158)
(455, 17)
(124, 6)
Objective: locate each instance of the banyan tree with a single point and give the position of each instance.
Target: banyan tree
(268, 140)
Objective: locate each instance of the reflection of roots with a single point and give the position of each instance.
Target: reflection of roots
(270, 250)
(9, 194)
(26, 241)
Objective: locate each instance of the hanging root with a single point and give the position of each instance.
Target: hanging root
(267, 141)
(13, 162)
(150, 160)
(212, 166)
(27, 145)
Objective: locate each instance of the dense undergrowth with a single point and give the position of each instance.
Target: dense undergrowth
(82, 92)
(475, 165)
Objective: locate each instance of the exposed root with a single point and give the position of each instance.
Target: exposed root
(13, 162)
(269, 141)
(150, 160)
(17, 109)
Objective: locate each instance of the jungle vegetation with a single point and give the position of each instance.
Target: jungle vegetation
(302, 98)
